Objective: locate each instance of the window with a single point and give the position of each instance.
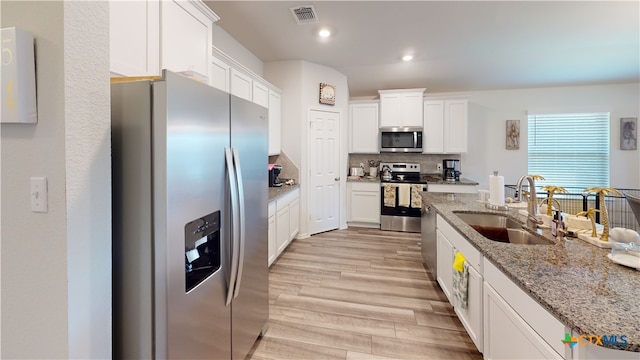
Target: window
(569, 150)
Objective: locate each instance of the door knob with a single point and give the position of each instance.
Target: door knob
(337, 179)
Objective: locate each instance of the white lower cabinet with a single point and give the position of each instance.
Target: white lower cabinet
(363, 204)
(471, 317)
(284, 224)
(507, 335)
(273, 248)
(294, 218)
(532, 332)
(282, 228)
(444, 262)
(449, 242)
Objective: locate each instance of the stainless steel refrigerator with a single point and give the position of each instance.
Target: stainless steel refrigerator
(189, 220)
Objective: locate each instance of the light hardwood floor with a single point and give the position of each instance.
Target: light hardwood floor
(359, 294)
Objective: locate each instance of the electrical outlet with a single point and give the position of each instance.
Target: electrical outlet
(439, 167)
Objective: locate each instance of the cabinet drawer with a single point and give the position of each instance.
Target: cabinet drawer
(461, 244)
(365, 186)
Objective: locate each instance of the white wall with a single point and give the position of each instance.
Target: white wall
(230, 46)
(488, 111)
(88, 177)
(56, 275)
(300, 85)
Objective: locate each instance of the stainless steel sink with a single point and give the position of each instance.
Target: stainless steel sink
(502, 229)
(490, 220)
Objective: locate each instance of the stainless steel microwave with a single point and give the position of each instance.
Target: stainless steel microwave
(400, 139)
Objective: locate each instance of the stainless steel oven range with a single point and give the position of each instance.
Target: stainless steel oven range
(401, 201)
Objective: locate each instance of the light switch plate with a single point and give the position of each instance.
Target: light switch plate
(39, 194)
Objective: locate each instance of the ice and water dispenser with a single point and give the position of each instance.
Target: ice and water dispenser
(202, 249)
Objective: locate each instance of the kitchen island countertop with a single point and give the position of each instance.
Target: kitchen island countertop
(573, 280)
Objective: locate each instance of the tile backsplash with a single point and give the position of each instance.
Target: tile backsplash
(428, 162)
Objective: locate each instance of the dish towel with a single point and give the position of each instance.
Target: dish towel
(416, 197)
(460, 280)
(404, 194)
(390, 195)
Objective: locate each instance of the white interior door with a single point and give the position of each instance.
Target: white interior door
(324, 163)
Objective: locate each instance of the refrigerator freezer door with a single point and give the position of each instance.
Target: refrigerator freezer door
(250, 309)
(190, 132)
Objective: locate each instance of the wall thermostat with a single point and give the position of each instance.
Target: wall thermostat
(18, 77)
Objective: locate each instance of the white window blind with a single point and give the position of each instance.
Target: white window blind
(569, 150)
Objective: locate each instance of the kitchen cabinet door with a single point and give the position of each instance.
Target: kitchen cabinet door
(444, 255)
(294, 218)
(283, 226)
(220, 74)
(241, 85)
(363, 204)
(445, 126)
(412, 109)
(433, 134)
(260, 94)
(134, 34)
(507, 335)
(455, 126)
(471, 316)
(275, 122)
(390, 112)
(363, 128)
(186, 37)
(511, 307)
(273, 247)
(401, 108)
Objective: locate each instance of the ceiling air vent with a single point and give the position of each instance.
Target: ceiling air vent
(305, 14)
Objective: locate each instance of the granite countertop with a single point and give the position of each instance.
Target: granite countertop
(437, 179)
(573, 280)
(429, 178)
(275, 192)
(363, 179)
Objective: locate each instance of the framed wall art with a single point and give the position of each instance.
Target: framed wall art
(513, 134)
(327, 94)
(628, 134)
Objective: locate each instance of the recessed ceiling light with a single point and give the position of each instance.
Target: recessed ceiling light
(324, 33)
(407, 57)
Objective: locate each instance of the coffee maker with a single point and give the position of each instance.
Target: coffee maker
(451, 170)
(274, 173)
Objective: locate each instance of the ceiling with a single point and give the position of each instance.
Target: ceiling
(457, 46)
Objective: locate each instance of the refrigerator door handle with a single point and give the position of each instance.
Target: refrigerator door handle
(242, 227)
(234, 224)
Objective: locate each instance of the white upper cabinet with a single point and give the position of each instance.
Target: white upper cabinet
(186, 37)
(275, 120)
(363, 128)
(220, 74)
(241, 85)
(401, 108)
(445, 126)
(148, 36)
(260, 94)
(134, 31)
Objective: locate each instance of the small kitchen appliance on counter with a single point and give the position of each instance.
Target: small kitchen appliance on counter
(451, 170)
(274, 175)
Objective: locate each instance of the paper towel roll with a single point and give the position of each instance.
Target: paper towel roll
(496, 189)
